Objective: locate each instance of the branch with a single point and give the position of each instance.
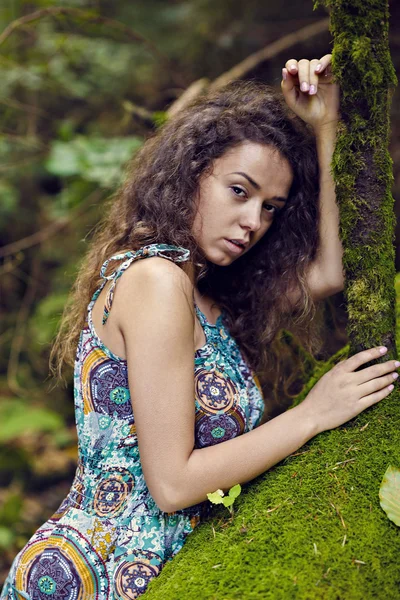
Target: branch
(20, 329)
(43, 234)
(89, 16)
(25, 107)
(247, 65)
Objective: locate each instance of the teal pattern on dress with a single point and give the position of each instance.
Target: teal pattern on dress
(109, 538)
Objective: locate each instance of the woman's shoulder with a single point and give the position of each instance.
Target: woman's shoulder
(149, 285)
(157, 272)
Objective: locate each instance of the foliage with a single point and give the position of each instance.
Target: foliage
(218, 497)
(17, 418)
(389, 494)
(92, 158)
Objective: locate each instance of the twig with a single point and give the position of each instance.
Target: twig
(339, 515)
(89, 16)
(25, 107)
(43, 234)
(343, 462)
(254, 60)
(138, 111)
(20, 329)
(249, 64)
(25, 161)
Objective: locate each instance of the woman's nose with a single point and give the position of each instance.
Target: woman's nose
(252, 218)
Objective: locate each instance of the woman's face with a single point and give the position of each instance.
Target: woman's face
(240, 199)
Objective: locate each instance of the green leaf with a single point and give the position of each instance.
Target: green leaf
(95, 159)
(64, 159)
(228, 500)
(235, 490)
(389, 494)
(11, 510)
(6, 537)
(216, 497)
(18, 417)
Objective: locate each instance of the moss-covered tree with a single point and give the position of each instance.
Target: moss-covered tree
(312, 527)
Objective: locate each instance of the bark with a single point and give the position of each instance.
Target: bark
(312, 527)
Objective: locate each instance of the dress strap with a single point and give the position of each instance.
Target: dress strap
(128, 258)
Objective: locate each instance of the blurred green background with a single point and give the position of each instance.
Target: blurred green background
(82, 84)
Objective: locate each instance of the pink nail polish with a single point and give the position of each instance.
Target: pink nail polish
(312, 90)
(318, 68)
(304, 86)
(284, 74)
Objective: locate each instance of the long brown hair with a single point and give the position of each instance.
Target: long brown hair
(157, 204)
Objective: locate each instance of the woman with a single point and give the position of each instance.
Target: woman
(225, 199)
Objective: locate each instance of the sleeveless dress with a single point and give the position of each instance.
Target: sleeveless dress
(108, 538)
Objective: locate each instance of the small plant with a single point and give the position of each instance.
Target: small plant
(218, 497)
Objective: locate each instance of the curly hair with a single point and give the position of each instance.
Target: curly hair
(157, 204)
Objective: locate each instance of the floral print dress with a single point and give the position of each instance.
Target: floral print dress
(108, 538)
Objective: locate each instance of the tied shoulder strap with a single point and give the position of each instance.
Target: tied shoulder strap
(128, 258)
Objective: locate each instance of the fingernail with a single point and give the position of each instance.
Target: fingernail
(390, 387)
(312, 90)
(395, 375)
(397, 363)
(293, 68)
(284, 74)
(383, 349)
(318, 68)
(304, 86)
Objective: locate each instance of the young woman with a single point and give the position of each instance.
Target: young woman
(234, 202)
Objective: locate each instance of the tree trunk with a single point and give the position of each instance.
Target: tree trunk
(312, 527)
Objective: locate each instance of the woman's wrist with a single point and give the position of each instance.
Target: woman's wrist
(328, 128)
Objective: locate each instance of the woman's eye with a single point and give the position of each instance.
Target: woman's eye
(237, 189)
(275, 211)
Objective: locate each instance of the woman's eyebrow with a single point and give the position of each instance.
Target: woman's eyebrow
(256, 185)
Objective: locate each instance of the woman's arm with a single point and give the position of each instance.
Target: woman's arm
(317, 103)
(154, 311)
(325, 275)
(328, 264)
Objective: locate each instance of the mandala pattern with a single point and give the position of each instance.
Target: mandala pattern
(62, 566)
(112, 492)
(214, 391)
(133, 577)
(108, 538)
(218, 428)
(109, 389)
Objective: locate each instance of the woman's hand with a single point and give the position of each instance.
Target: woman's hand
(343, 393)
(309, 90)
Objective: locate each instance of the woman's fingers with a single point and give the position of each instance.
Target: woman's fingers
(376, 371)
(355, 361)
(313, 77)
(323, 63)
(308, 73)
(291, 66)
(376, 384)
(304, 74)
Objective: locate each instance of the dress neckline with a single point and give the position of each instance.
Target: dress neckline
(204, 319)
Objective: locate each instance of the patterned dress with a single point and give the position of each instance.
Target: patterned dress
(108, 538)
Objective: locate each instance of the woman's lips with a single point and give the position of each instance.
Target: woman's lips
(233, 248)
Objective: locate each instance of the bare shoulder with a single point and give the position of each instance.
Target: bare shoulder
(152, 283)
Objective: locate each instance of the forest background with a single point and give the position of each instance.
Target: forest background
(82, 84)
